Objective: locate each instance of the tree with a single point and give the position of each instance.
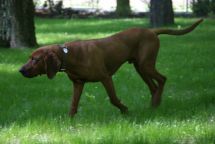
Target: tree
(123, 8)
(17, 21)
(5, 25)
(161, 13)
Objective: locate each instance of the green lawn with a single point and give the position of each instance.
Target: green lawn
(35, 110)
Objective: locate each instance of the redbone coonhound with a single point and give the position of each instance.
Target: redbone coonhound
(97, 60)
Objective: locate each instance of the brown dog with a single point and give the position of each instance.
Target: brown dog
(98, 59)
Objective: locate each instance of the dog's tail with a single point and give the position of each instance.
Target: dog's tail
(177, 32)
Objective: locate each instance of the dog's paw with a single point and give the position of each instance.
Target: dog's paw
(124, 110)
(72, 114)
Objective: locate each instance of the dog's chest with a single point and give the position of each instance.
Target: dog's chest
(86, 75)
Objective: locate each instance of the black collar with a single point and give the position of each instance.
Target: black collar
(64, 50)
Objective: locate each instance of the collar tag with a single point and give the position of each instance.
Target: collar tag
(65, 50)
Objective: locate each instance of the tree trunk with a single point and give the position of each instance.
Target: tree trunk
(5, 25)
(161, 13)
(20, 19)
(23, 30)
(123, 8)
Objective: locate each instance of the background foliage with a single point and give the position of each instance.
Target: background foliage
(203, 7)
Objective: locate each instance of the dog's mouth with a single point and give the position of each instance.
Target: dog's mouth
(27, 74)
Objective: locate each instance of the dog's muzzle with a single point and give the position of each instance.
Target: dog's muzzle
(25, 73)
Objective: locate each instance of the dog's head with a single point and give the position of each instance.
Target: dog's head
(42, 61)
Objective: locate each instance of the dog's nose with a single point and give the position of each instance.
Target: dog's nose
(22, 71)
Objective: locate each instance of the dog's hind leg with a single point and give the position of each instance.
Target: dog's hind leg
(148, 80)
(145, 66)
(160, 79)
(108, 84)
(150, 74)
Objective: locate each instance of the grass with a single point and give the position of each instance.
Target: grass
(35, 110)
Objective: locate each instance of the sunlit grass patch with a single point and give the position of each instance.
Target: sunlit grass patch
(117, 131)
(9, 68)
(61, 30)
(60, 38)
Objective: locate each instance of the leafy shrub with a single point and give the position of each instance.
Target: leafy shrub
(212, 6)
(201, 7)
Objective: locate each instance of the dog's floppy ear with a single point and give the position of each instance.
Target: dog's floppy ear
(52, 64)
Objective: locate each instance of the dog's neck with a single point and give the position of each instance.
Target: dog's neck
(64, 50)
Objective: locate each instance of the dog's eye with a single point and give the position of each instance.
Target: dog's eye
(35, 60)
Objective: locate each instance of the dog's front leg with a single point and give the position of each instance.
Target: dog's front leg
(77, 90)
(108, 84)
